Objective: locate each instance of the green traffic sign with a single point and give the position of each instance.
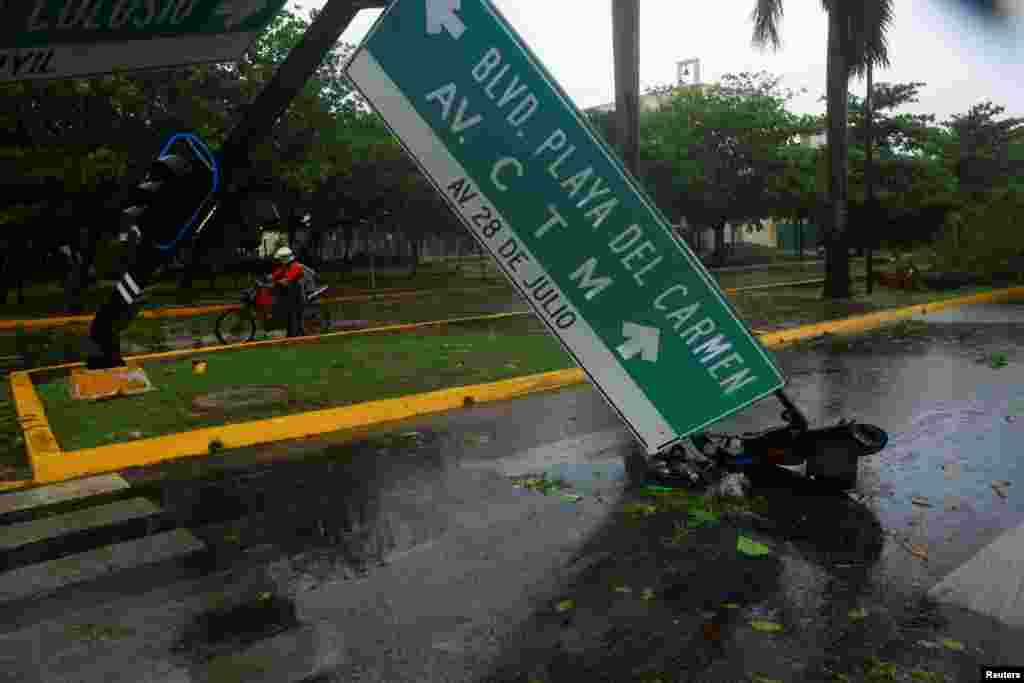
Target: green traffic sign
(64, 38)
(569, 227)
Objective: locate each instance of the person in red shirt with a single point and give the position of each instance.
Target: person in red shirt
(287, 279)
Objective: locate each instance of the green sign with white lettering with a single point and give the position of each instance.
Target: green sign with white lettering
(573, 232)
(42, 39)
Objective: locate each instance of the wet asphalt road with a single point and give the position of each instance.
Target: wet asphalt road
(408, 555)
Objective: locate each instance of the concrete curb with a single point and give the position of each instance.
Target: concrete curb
(50, 464)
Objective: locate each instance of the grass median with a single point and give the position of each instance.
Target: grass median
(330, 373)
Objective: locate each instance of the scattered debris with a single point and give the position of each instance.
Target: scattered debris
(565, 606)
(1000, 488)
(756, 678)
(730, 605)
(921, 500)
(733, 485)
(928, 644)
(765, 626)
(571, 497)
(858, 614)
(750, 547)
(647, 594)
(623, 589)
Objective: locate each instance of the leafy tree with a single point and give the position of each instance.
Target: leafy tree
(710, 152)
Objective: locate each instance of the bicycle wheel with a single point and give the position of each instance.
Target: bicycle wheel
(316, 320)
(236, 326)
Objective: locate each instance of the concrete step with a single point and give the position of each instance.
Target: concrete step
(15, 536)
(77, 489)
(46, 577)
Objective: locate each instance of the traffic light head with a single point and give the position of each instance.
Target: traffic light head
(178, 195)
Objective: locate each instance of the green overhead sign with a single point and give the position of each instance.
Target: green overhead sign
(41, 39)
(574, 233)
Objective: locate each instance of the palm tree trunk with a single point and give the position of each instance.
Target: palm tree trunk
(837, 255)
(626, 49)
(869, 177)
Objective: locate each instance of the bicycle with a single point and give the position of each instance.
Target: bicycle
(238, 325)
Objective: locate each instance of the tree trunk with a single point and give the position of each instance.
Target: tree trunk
(869, 179)
(416, 245)
(626, 49)
(837, 256)
(718, 254)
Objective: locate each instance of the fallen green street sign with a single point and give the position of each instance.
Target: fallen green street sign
(42, 39)
(578, 238)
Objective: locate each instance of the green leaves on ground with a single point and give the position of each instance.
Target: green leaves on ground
(765, 626)
(750, 547)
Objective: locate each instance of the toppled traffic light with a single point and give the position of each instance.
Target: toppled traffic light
(170, 207)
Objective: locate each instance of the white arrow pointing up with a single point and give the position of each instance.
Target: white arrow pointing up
(441, 16)
(639, 340)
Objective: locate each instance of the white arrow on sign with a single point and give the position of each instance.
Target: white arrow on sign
(639, 340)
(441, 16)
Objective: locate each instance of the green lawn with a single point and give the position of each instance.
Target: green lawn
(333, 372)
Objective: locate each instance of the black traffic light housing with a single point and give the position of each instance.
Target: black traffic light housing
(174, 203)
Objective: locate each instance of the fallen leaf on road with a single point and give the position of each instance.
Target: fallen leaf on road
(928, 644)
(766, 626)
(858, 614)
(712, 631)
(751, 547)
(953, 645)
(571, 497)
(730, 605)
(623, 589)
(647, 594)
(702, 517)
(916, 549)
(264, 596)
(763, 679)
(921, 500)
(565, 605)
(639, 509)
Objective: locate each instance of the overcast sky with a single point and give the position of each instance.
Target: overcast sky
(960, 59)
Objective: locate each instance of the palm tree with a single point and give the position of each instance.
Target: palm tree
(856, 38)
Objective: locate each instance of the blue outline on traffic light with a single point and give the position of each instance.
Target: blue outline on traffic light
(204, 154)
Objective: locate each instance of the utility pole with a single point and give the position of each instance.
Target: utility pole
(869, 178)
(626, 46)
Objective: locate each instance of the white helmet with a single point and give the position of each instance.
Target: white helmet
(284, 255)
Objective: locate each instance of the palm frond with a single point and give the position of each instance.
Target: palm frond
(767, 17)
(867, 24)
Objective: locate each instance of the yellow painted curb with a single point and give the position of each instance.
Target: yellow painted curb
(869, 321)
(40, 443)
(51, 464)
(56, 466)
